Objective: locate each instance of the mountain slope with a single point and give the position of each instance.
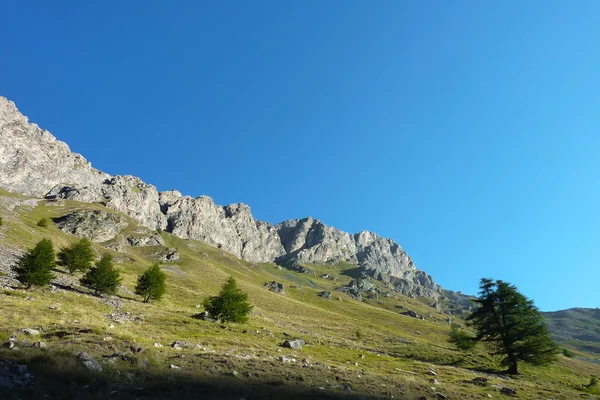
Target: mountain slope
(34, 163)
(368, 346)
(576, 327)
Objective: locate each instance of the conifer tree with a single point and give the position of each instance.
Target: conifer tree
(34, 268)
(103, 277)
(151, 284)
(230, 305)
(511, 322)
(77, 257)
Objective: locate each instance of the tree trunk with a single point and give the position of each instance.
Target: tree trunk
(512, 365)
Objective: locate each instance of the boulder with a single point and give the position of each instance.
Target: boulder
(294, 344)
(275, 287)
(325, 295)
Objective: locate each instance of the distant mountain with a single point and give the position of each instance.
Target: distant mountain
(577, 327)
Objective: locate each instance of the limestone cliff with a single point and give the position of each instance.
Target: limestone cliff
(33, 162)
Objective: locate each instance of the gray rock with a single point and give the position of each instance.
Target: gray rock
(507, 390)
(8, 345)
(325, 295)
(151, 240)
(92, 365)
(173, 366)
(29, 331)
(410, 313)
(98, 226)
(205, 316)
(40, 345)
(275, 287)
(294, 344)
(171, 255)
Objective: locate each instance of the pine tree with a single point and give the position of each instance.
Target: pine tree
(77, 257)
(103, 277)
(151, 284)
(34, 268)
(511, 322)
(230, 305)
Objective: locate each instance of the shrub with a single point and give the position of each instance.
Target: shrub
(359, 335)
(461, 339)
(77, 257)
(43, 223)
(567, 353)
(230, 305)
(151, 284)
(1, 221)
(103, 277)
(34, 268)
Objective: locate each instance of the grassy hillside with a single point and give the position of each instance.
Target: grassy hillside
(365, 346)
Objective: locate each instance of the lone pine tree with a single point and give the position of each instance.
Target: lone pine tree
(34, 268)
(230, 305)
(77, 257)
(513, 324)
(103, 277)
(151, 284)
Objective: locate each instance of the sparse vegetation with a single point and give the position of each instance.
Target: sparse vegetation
(103, 277)
(43, 223)
(462, 339)
(77, 257)
(513, 324)
(34, 268)
(230, 305)
(151, 285)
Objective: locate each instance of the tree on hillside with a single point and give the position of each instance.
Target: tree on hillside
(151, 284)
(103, 277)
(77, 257)
(230, 305)
(513, 324)
(34, 268)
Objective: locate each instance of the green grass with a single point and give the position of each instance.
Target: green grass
(390, 356)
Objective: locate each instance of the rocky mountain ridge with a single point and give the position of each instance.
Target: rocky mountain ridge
(34, 163)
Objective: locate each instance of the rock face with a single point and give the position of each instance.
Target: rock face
(35, 163)
(98, 226)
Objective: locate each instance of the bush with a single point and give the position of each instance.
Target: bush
(77, 257)
(359, 335)
(230, 305)
(461, 339)
(567, 353)
(1, 221)
(151, 284)
(103, 277)
(34, 268)
(43, 223)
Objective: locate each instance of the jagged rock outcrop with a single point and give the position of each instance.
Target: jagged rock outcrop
(35, 163)
(96, 225)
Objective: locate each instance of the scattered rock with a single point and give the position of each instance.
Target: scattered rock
(480, 380)
(171, 255)
(29, 331)
(507, 390)
(441, 396)
(8, 345)
(275, 287)
(347, 388)
(234, 373)
(410, 313)
(205, 316)
(173, 367)
(158, 345)
(40, 345)
(434, 381)
(93, 365)
(325, 295)
(294, 344)
(431, 372)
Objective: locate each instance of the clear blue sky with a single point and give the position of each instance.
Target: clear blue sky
(468, 131)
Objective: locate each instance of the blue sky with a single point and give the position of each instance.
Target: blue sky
(468, 131)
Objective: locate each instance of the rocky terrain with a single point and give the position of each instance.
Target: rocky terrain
(34, 163)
